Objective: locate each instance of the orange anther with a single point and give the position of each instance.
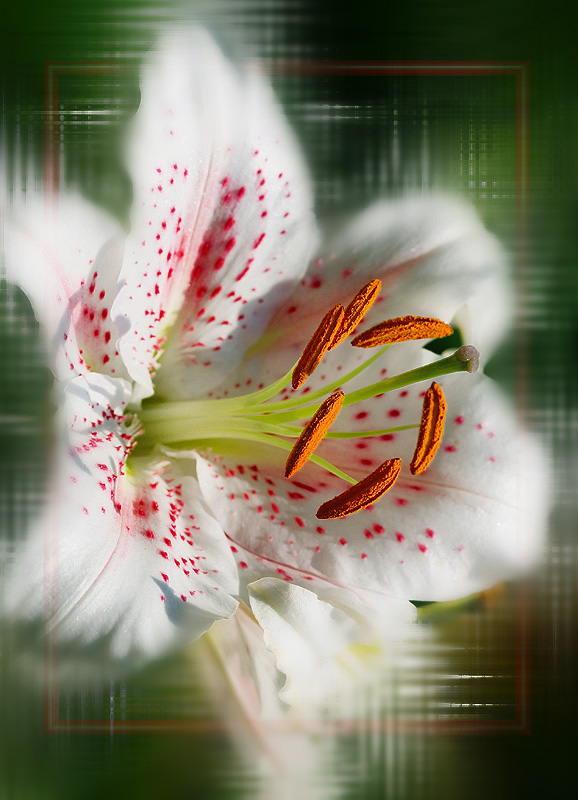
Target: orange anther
(431, 429)
(364, 493)
(357, 309)
(318, 345)
(313, 433)
(402, 329)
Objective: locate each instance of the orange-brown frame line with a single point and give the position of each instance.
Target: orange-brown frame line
(520, 724)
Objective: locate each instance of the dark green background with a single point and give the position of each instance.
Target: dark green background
(421, 764)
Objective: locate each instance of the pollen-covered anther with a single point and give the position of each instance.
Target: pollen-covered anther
(313, 433)
(364, 493)
(357, 309)
(431, 429)
(402, 329)
(318, 345)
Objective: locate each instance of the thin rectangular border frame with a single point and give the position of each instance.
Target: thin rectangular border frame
(53, 724)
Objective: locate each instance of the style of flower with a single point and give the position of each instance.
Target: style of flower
(191, 359)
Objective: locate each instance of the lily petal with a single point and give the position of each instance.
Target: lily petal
(223, 226)
(465, 524)
(66, 255)
(249, 667)
(321, 649)
(134, 565)
(434, 258)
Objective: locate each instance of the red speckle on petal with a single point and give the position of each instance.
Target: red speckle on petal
(242, 273)
(394, 412)
(243, 565)
(459, 420)
(400, 537)
(422, 547)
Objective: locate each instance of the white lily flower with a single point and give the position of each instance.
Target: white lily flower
(175, 351)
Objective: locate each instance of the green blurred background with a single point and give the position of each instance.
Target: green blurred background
(364, 137)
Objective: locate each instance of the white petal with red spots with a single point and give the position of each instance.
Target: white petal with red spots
(133, 562)
(466, 523)
(222, 225)
(87, 332)
(434, 258)
(57, 249)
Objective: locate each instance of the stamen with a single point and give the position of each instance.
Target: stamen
(321, 341)
(430, 430)
(363, 494)
(402, 329)
(357, 309)
(313, 433)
